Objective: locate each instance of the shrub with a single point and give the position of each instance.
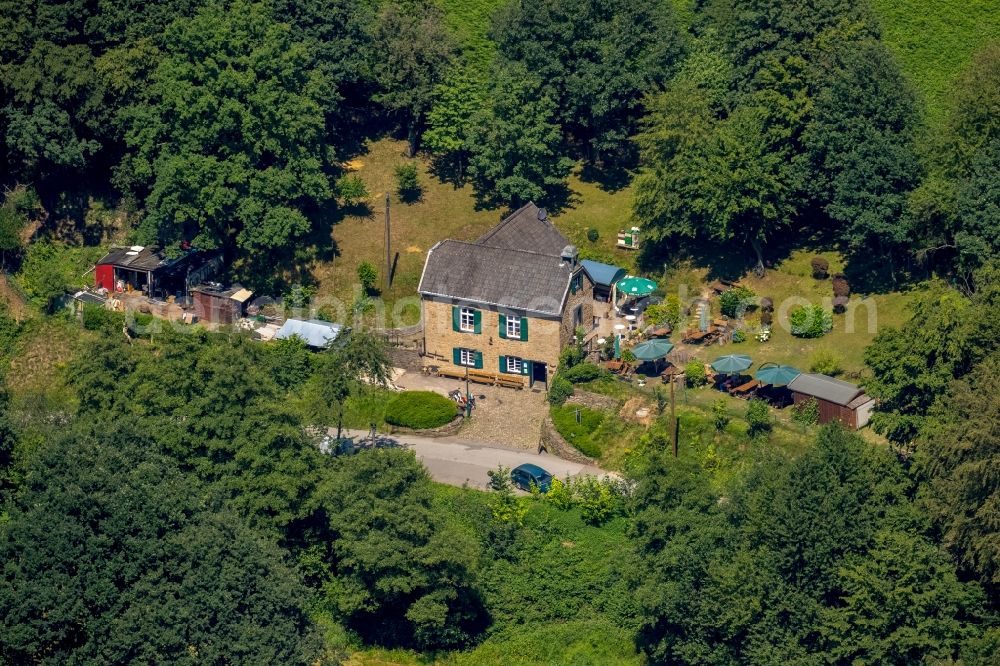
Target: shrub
(767, 304)
(739, 335)
(825, 363)
(668, 312)
(810, 321)
(694, 372)
(570, 356)
(720, 414)
(758, 418)
(407, 184)
(841, 287)
(806, 412)
(351, 189)
(367, 275)
(419, 410)
(734, 303)
(560, 391)
(766, 318)
(821, 268)
(593, 235)
(583, 372)
(628, 356)
(840, 304)
(560, 494)
(99, 318)
(595, 499)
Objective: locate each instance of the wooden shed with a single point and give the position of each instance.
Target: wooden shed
(838, 400)
(218, 304)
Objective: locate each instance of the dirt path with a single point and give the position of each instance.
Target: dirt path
(18, 308)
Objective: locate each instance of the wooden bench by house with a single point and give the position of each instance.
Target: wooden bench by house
(510, 381)
(454, 373)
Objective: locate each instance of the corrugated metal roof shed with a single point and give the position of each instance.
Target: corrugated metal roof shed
(825, 388)
(603, 274)
(314, 332)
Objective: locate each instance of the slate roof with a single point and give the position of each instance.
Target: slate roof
(498, 276)
(316, 333)
(603, 274)
(522, 230)
(825, 388)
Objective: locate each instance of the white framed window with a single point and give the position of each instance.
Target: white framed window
(514, 327)
(467, 320)
(514, 364)
(467, 357)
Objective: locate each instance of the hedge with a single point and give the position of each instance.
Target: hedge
(583, 372)
(420, 410)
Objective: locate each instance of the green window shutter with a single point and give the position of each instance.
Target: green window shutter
(503, 328)
(503, 364)
(524, 329)
(479, 360)
(526, 367)
(456, 356)
(456, 318)
(477, 321)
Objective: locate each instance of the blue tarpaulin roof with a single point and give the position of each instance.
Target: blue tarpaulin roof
(316, 333)
(602, 274)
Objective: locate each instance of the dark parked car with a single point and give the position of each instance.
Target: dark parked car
(524, 475)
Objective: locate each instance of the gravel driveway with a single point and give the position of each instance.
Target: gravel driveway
(505, 417)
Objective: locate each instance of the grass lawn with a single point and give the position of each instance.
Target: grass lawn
(934, 39)
(443, 212)
(789, 284)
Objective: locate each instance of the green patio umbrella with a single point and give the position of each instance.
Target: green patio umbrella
(635, 286)
(652, 350)
(732, 364)
(776, 375)
(618, 347)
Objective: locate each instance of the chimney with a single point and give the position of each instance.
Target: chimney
(570, 255)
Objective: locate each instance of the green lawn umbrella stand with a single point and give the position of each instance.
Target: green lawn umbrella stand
(635, 286)
(652, 350)
(776, 375)
(732, 364)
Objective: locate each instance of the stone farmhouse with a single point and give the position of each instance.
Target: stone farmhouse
(507, 303)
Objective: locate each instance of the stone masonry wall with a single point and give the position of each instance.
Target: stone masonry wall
(584, 297)
(543, 343)
(552, 442)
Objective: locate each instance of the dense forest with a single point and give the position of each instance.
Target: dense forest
(172, 506)
(763, 125)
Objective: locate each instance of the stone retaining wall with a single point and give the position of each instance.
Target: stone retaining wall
(446, 430)
(552, 442)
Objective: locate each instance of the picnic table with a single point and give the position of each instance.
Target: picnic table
(744, 390)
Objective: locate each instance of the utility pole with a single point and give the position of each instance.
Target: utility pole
(673, 415)
(468, 396)
(388, 255)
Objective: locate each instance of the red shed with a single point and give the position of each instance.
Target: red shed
(837, 400)
(143, 269)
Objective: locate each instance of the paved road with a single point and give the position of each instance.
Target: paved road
(457, 462)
